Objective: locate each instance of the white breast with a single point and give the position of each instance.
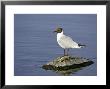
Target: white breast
(59, 36)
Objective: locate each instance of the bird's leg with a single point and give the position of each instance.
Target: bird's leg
(64, 52)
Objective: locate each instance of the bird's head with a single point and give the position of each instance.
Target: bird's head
(58, 30)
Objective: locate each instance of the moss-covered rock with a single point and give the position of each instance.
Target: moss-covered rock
(66, 63)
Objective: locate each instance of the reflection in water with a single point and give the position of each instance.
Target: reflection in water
(68, 72)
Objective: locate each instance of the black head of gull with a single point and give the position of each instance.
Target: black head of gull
(58, 30)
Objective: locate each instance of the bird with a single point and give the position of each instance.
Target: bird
(65, 41)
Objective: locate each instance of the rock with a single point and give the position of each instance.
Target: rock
(66, 63)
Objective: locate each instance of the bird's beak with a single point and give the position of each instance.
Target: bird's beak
(55, 31)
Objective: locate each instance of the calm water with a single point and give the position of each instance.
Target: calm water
(35, 43)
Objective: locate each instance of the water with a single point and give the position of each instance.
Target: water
(35, 43)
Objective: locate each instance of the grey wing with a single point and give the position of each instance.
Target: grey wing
(68, 42)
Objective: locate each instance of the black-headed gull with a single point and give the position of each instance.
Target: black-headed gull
(65, 41)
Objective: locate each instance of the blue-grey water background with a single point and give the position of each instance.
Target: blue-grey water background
(35, 43)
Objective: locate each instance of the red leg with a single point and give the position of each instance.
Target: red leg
(64, 52)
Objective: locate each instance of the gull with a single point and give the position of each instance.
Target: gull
(66, 42)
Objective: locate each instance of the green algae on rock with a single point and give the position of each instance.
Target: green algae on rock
(67, 62)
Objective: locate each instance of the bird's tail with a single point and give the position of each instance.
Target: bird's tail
(81, 46)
